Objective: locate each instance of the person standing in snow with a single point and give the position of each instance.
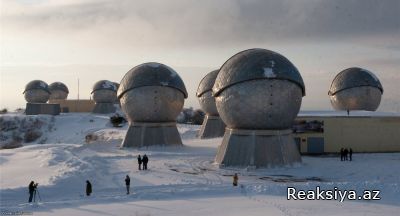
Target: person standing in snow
(139, 160)
(88, 188)
(145, 161)
(351, 154)
(345, 153)
(127, 183)
(235, 180)
(341, 154)
(32, 187)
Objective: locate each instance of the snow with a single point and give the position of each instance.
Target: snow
(108, 85)
(344, 113)
(153, 64)
(180, 180)
(269, 73)
(43, 84)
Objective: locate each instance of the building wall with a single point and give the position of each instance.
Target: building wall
(362, 134)
(75, 105)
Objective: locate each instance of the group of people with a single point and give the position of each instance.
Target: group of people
(346, 154)
(32, 188)
(143, 160)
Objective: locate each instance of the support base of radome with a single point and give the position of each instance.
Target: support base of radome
(212, 127)
(152, 134)
(104, 108)
(257, 148)
(42, 108)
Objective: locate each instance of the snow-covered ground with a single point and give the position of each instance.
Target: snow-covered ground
(180, 180)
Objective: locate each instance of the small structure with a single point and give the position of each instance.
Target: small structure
(152, 96)
(258, 94)
(37, 94)
(212, 125)
(104, 94)
(326, 132)
(355, 89)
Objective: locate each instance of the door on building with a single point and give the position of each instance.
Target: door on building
(315, 145)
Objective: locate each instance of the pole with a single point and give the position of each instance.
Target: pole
(77, 104)
(78, 89)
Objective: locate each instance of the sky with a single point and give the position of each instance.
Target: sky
(90, 40)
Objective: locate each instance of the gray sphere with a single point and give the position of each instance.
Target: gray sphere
(151, 92)
(258, 89)
(104, 91)
(116, 85)
(36, 91)
(355, 89)
(58, 91)
(204, 94)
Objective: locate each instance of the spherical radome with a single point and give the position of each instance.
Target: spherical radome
(36, 91)
(58, 91)
(152, 92)
(116, 84)
(104, 91)
(355, 89)
(258, 89)
(204, 94)
(152, 104)
(151, 74)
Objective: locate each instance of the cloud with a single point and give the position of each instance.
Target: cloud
(210, 22)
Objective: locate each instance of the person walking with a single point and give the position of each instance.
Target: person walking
(32, 187)
(88, 188)
(235, 180)
(139, 160)
(346, 153)
(145, 161)
(341, 154)
(351, 154)
(127, 183)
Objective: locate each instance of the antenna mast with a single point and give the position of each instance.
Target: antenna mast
(78, 88)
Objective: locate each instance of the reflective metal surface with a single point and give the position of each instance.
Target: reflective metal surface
(37, 84)
(58, 86)
(104, 96)
(254, 64)
(260, 104)
(58, 95)
(207, 103)
(358, 98)
(151, 74)
(58, 91)
(36, 96)
(207, 83)
(104, 84)
(152, 104)
(354, 77)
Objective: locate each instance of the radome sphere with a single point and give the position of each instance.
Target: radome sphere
(258, 89)
(104, 91)
(355, 89)
(58, 91)
(152, 92)
(204, 94)
(36, 91)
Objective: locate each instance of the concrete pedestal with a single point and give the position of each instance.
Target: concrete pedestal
(42, 108)
(152, 134)
(258, 148)
(212, 127)
(104, 108)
